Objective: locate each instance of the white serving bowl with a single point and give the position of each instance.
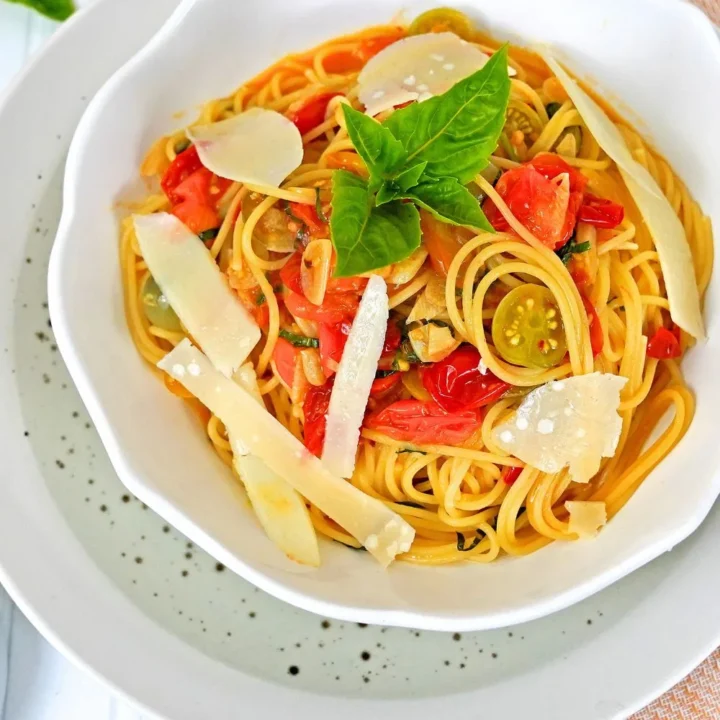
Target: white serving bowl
(658, 60)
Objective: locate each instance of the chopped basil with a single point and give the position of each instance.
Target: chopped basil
(552, 108)
(289, 213)
(299, 340)
(182, 145)
(410, 450)
(461, 542)
(210, 234)
(261, 299)
(571, 248)
(318, 206)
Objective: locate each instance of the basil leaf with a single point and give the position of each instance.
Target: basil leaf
(299, 340)
(392, 189)
(461, 542)
(375, 144)
(450, 202)
(367, 237)
(457, 131)
(54, 9)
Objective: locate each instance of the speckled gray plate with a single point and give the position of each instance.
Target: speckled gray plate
(132, 601)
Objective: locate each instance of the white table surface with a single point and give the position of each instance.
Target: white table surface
(36, 682)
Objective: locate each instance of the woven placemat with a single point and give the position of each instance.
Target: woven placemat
(697, 697)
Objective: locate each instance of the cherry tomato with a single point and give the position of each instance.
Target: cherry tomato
(285, 356)
(442, 241)
(308, 215)
(315, 409)
(527, 328)
(456, 383)
(181, 168)
(332, 343)
(443, 20)
(596, 334)
(511, 474)
(384, 383)
(664, 344)
(393, 338)
(550, 166)
(424, 423)
(349, 60)
(600, 212)
(311, 112)
(336, 307)
(290, 273)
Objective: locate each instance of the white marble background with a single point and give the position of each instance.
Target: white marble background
(36, 682)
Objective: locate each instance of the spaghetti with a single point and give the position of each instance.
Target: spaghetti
(466, 500)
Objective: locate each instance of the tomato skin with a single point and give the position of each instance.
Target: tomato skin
(308, 215)
(381, 385)
(456, 383)
(511, 474)
(285, 356)
(442, 241)
(315, 409)
(335, 308)
(424, 423)
(596, 334)
(550, 166)
(664, 344)
(290, 273)
(348, 60)
(332, 343)
(393, 338)
(181, 168)
(311, 113)
(600, 212)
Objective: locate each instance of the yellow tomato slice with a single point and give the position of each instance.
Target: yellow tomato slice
(443, 20)
(527, 329)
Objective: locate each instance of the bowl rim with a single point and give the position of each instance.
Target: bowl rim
(133, 480)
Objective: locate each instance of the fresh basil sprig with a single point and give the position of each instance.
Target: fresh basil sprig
(54, 9)
(422, 155)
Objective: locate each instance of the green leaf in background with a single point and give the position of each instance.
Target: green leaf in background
(449, 202)
(367, 237)
(456, 132)
(54, 9)
(391, 189)
(375, 144)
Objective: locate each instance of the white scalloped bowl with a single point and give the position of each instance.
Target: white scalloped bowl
(208, 48)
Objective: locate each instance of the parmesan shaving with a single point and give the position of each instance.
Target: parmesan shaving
(586, 517)
(663, 223)
(417, 68)
(355, 376)
(280, 510)
(259, 147)
(196, 290)
(566, 422)
(266, 438)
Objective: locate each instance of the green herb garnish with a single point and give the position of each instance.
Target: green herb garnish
(423, 155)
(210, 234)
(552, 108)
(318, 206)
(54, 9)
(461, 542)
(299, 340)
(410, 450)
(571, 248)
(261, 299)
(181, 146)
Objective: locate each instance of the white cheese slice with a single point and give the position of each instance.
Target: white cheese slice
(384, 533)
(566, 422)
(258, 146)
(416, 68)
(196, 290)
(354, 379)
(663, 223)
(586, 517)
(280, 510)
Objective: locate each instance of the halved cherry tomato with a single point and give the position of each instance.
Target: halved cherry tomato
(192, 203)
(311, 112)
(600, 212)
(456, 382)
(442, 241)
(384, 383)
(443, 20)
(511, 474)
(664, 344)
(596, 333)
(181, 168)
(332, 343)
(424, 423)
(550, 166)
(349, 60)
(335, 308)
(285, 356)
(527, 328)
(290, 273)
(393, 338)
(308, 215)
(315, 409)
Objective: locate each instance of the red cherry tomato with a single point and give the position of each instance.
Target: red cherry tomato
(285, 356)
(181, 168)
(442, 241)
(393, 338)
(423, 423)
(664, 344)
(600, 212)
(308, 215)
(315, 408)
(290, 273)
(550, 166)
(457, 384)
(311, 112)
(349, 60)
(335, 308)
(511, 474)
(382, 384)
(332, 343)
(596, 333)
